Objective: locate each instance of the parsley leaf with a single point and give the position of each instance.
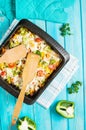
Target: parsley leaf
(65, 29)
(74, 87)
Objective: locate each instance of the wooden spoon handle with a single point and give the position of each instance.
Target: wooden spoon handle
(18, 105)
(28, 74)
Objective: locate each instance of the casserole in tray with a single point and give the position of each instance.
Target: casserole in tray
(52, 59)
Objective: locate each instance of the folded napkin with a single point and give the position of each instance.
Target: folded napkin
(4, 23)
(56, 86)
(7, 14)
(8, 8)
(50, 10)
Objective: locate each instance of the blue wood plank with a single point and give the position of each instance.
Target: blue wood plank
(53, 30)
(56, 120)
(27, 110)
(42, 118)
(83, 33)
(75, 47)
(6, 103)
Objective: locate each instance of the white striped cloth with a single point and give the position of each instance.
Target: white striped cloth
(56, 86)
(60, 81)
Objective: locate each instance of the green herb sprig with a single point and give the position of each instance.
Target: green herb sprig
(65, 29)
(74, 87)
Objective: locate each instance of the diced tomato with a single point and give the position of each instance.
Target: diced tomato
(40, 73)
(38, 39)
(33, 82)
(3, 73)
(52, 67)
(11, 65)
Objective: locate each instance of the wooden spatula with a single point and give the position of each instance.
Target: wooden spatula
(28, 74)
(14, 54)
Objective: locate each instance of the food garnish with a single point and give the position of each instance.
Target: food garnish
(26, 123)
(74, 87)
(65, 29)
(65, 108)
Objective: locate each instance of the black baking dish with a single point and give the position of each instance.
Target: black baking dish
(54, 45)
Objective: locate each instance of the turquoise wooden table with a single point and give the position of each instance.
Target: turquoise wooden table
(74, 44)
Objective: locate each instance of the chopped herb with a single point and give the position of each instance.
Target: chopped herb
(79, 83)
(38, 52)
(74, 87)
(65, 29)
